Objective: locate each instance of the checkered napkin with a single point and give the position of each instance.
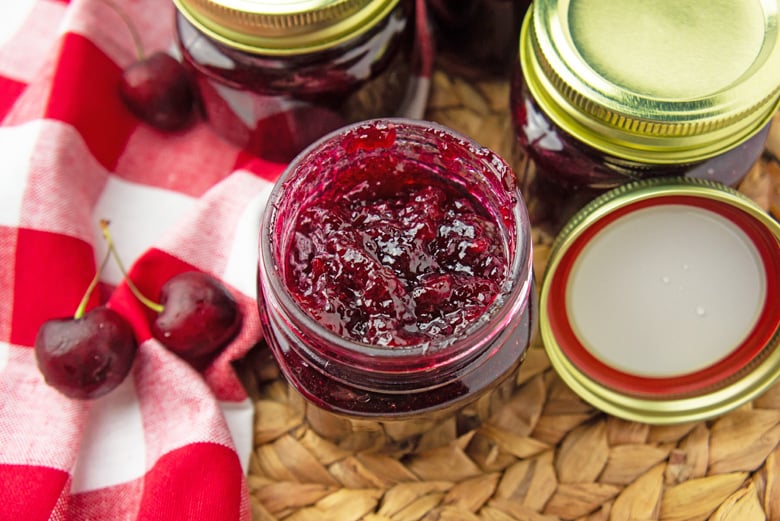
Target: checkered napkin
(171, 442)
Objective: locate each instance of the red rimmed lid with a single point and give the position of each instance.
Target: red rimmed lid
(661, 291)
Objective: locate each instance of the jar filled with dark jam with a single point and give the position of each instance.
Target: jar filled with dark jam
(395, 284)
(477, 39)
(275, 76)
(609, 92)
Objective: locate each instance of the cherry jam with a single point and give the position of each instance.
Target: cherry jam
(275, 104)
(395, 283)
(390, 260)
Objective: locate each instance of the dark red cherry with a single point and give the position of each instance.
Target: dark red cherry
(159, 91)
(199, 315)
(86, 357)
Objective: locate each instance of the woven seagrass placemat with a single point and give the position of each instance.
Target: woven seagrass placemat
(547, 455)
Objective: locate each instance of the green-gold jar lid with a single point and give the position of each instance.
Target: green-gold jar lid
(661, 82)
(284, 27)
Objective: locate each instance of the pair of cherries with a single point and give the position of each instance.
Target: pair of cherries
(87, 355)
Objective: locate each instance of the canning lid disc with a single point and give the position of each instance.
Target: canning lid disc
(661, 301)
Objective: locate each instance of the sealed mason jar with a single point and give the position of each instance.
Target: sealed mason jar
(395, 284)
(275, 76)
(608, 92)
(477, 39)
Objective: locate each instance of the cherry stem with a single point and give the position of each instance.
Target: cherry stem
(139, 47)
(92, 285)
(154, 306)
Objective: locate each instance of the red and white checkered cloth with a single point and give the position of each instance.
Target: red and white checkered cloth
(170, 442)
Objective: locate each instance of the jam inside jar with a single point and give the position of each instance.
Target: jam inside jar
(275, 91)
(395, 284)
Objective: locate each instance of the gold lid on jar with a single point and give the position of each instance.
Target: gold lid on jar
(668, 81)
(284, 27)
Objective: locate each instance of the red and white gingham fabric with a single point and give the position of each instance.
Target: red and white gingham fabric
(170, 442)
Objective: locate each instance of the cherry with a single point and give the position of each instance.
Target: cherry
(158, 90)
(196, 316)
(86, 357)
(199, 315)
(89, 354)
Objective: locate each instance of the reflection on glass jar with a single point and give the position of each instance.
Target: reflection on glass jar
(477, 38)
(610, 92)
(395, 284)
(274, 79)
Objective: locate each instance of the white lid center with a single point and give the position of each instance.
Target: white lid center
(665, 291)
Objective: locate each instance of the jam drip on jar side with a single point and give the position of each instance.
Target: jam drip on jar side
(395, 258)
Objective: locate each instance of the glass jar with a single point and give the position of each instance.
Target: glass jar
(395, 284)
(477, 39)
(609, 92)
(275, 77)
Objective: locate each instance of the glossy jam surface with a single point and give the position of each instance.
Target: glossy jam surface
(275, 106)
(477, 38)
(391, 257)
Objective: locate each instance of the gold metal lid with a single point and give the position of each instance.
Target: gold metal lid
(284, 27)
(667, 81)
(629, 389)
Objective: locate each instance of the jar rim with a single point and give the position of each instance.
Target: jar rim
(515, 293)
(274, 28)
(619, 75)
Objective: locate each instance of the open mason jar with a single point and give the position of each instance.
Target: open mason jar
(274, 77)
(610, 92)
(396, 289)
